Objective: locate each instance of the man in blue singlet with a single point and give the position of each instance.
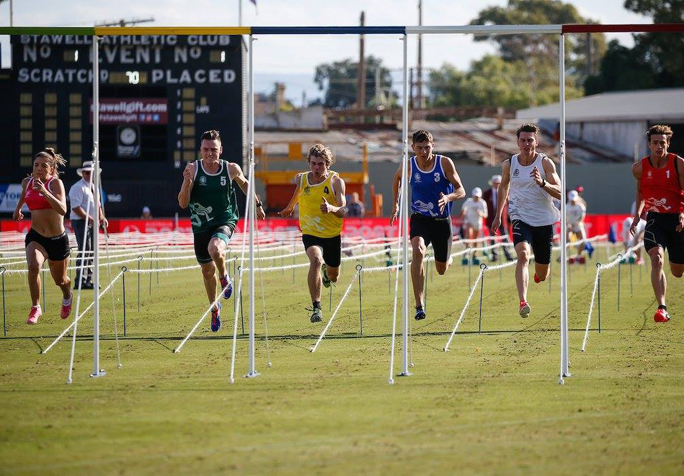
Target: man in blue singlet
(434, 185)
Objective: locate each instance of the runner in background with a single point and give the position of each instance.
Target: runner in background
(660, 191)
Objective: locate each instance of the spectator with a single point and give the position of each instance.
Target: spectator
(146, 213)
(491, 198)
(82, 199)
(354, 207)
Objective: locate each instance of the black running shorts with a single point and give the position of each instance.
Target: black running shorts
(540, 238)
(202, 239)
(661, 230)
(56, 247)
(433, 230)
(332, 248)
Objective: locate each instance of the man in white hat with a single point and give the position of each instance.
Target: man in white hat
(491, 197)
(473, 211)
(82, 202)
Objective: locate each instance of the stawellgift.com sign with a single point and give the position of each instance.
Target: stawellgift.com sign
(132, 111)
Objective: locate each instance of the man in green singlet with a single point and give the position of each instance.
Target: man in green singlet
(208, 190)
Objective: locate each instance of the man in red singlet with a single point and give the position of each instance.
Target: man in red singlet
(660, 191)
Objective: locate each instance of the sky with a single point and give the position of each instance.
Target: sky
(293, 59)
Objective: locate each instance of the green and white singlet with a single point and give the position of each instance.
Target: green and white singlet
(213, 202)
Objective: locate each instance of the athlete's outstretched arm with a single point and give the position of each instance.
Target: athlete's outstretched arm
(551, 184)
(503, 194)
(396, 182)
(289, 209)
(637, 170)
(17, 215)
(340, 189)
(452, 176)
(238, 177)
(188, 182)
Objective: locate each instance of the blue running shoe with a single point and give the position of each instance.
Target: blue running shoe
(216, 317)
(420, 313)
(227, 286)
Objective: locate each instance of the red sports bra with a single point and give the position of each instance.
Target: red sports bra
(34, 199)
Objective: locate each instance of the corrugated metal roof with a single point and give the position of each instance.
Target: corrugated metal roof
(650, 104)
(472, 141)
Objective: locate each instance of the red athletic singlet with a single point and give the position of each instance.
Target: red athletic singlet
(34, 199)
(660, 187)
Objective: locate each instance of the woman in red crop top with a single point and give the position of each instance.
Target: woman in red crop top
(43, 193)
(660, 192)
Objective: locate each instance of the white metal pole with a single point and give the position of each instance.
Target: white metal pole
(97, 372)
(563, 234)
(239, 12)
(404, 224)
(251, 208)
(484, 29)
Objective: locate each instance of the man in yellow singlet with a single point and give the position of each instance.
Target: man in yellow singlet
(321, 197)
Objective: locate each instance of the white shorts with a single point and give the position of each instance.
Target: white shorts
(638, 234)
(473, 226)
(576, 228)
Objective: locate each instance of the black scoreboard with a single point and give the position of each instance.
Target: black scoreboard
(157, 95)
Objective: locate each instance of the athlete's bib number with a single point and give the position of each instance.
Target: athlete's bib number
(223, 181)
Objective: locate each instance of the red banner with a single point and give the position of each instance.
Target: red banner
(365, 227)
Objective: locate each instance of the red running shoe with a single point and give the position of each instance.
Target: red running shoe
(525, 308)
(537, 279)
(66, 308)
(216, 317)
(34, 314)
(661, 315)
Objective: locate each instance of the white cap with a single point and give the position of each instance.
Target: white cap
(477, 192)
(146, 209)
(495, 179)
(572, 195)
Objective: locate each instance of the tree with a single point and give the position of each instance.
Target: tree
(621, 70)
(492, 81)
(540, 46)
(663, 51)
(656, 61)
(339, 80)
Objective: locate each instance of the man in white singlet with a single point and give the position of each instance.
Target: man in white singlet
(530, 183)
(575, 211)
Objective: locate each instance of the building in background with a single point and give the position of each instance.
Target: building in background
(616, 121)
